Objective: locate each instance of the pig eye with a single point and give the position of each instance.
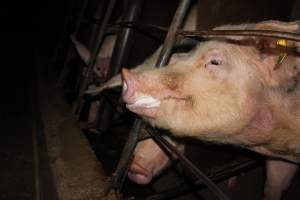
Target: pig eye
(215, 62)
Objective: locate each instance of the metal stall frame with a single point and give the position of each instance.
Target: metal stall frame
(126, 156)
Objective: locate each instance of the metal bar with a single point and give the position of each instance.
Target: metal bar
(126, 157)
(199, 174)
(163, 59)
(166, 51)
(86, 78)
(123, 43)
(254, 33)
(98, 14)
(120, 55)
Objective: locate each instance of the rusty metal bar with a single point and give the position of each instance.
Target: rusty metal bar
(86, 78)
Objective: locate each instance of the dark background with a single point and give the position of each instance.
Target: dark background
(26, 28)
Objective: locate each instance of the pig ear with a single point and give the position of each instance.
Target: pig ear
(274, 74)
(285, 73)
(293, 27)
(83, 52)
(285, 76)
(265, 42)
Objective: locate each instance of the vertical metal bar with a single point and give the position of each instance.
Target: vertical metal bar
(99, 13)
(169, 42)
(163, 59)
(126, 157)
(124, 40)
(119, 57)
(86, 78)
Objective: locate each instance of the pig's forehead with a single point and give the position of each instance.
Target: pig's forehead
(222, 47)
(217, 44)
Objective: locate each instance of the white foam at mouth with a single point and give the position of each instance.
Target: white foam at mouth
(146, 101)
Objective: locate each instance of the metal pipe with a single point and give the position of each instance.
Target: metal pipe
(250, 33)
(124, 39)
(120, 55)
(162, 142)
(169, 42)
(98, 14)
(163, 59)
(86, 78)
(126, 156)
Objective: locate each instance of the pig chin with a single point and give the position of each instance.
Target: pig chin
(143, 111)
(144, 105)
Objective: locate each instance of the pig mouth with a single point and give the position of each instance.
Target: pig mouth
(144, 105)
(148, 106)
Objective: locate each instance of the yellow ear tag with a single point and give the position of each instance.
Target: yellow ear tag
(281, 42)
(282, 56)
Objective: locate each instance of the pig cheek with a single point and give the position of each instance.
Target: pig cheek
(169, 114)
(219, 111)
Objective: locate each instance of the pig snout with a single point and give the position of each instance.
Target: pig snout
(129, 86)
(139, 174)
(136, 100)
(148, 161)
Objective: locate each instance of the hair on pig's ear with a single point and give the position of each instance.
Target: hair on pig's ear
(280, 60)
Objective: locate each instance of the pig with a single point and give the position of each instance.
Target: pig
(149, 160)
(103, 58)
(189, 24)
(229, 91)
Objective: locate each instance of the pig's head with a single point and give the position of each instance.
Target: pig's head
(210, 91)
(218, 89)
(103, 58)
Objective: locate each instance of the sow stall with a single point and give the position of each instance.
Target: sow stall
(114, 132)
